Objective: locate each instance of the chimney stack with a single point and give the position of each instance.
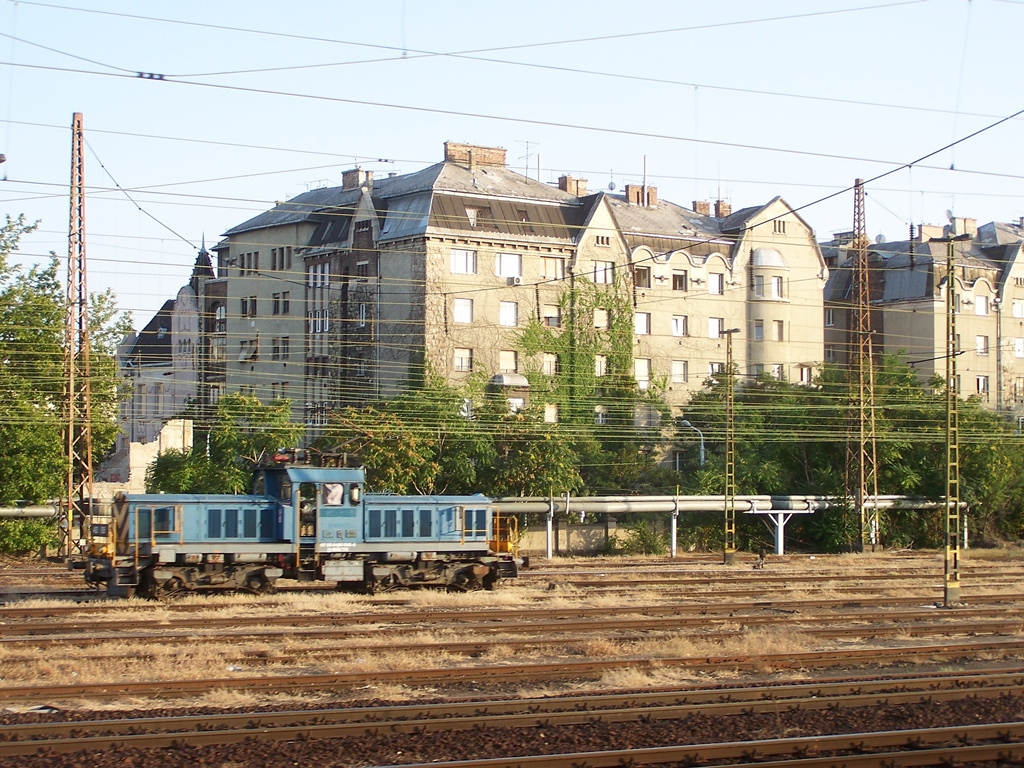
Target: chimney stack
(573, 186)
(355, 178)
(722, 209)
(703, 207)
(474, 156)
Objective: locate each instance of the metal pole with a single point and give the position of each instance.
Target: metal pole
(551, 519)
(674, 545)
(730, 453)
(952, 560)
(700, 435)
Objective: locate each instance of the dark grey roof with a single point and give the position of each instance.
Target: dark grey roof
(485, 181)
(153, 344)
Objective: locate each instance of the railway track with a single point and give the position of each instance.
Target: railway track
(509, 673)
(159, 732)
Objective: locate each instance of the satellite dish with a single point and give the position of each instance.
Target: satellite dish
(880, 239)
(611, 186)
(949, 215)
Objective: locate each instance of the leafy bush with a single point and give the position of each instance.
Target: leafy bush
(18, 537)
(644, 539)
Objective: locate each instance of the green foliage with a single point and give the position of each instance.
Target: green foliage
(242, 434)
(19, 537)
(32, 378)
(644, 538)
(795, 440)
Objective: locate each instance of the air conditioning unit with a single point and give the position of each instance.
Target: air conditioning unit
(515, 281)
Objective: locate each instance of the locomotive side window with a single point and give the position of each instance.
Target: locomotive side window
(213, 524)
(373, 524)
(481, 522)
(231, 523)
(163, 520)
(426, 519)
(145, 523)
(334, 494)
(408, 524)
(249, 525)
(391, 523)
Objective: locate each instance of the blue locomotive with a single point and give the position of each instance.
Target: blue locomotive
(301, 522)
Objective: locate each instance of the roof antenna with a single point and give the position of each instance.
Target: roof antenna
(611, 180)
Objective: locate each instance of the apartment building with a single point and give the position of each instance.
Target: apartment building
(907, 285)
(350, 294)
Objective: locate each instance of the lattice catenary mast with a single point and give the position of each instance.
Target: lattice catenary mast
(863, 366)
(77, 371)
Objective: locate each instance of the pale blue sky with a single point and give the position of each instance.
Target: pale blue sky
(865, 84)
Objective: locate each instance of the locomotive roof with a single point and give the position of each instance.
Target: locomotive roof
(383, 498)
(170, 499)
(300, 474)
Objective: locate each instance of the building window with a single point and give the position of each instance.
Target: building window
(779, 226)
(776, 287)
(600, 414)
(550, 364)
(716, 283)
(981, 305)
(982, 385)
(248, 306)
(758, 286)
(600, 317)
(715, 327)
(218, 352)
(604, 272)
(716, 369)
(1017, 308)
(508, 361)
(642, 277)
(462, 311)
(508, 313)
(680, 281)
(642, 372)
(362, 271)
(642, 323)
(275, 304)
(275, 348)
(463, 360)
(286, 347)
(981, 345)
(779, 330)
(680, 371)
(806, 374)
(759, 330)
(603, 240)
(551, 315)
(1018, 388)
(600, 365)
(680, 325)
(758, 370)
(778, 371)
(1018, 347)
(508, 265)
(551, 413)
(516, 404)
(552, 269)
(362, 316)
(463, 262)
(473, 214)
(830, 353)
(830, 318)
(286, 303)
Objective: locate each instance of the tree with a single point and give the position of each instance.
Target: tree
(32, 376)
(242, 434)
(794, 440)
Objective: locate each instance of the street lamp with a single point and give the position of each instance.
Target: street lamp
(688, 425)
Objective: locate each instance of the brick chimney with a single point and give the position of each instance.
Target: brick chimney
(355, 178)
(722, 209)
(652, 197)
(573, 186)
(472, 155)
(703, 207)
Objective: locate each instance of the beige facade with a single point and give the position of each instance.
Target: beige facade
(440, 272)
(908, 287)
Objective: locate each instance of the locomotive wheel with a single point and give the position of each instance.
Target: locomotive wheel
(256, 583)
